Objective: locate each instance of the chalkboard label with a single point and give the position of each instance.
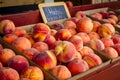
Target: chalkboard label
(54, 11)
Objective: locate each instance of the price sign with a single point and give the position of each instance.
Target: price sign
(52, 12)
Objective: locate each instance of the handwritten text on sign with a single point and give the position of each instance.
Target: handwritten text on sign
(55, 13)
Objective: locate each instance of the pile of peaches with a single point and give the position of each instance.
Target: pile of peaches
(64, 49)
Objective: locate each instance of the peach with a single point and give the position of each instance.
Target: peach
(97, 16)
(104, 14)
(61, 72)
(111, 21)
(65, 51)
(52, 47)
(41, 32)
(117, 48)
(20, 32)
(77, 66)
(106, 30)
(5, 55)
(77, 42)
(96, 44)
(92, 60)
(24, 79)
(93, 35)
(7, 26)
(86, 50)
(51, 40)
(1, 65)
(40, 46)
(72, 31)
(116, 38)
(8, 73)
(85, 37)
(57, 26)
(78, 55)
(53, 32)
(46, 60)
(32, 73)
(69, 4)
(31, 53)
(96, 24)
(9, 38)
(74, 19)
(69, 24)
(114, 17)
(107, 42)
(21, 43)
(1, 47)
(63, 34)
(18, 63)
(85, 25)
(80, 14)
(110, 52)
(30, 38)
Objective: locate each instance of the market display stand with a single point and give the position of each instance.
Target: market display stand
(109, 72)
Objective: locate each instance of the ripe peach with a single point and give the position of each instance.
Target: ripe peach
(40, 46)
(7, 26)
(52, 47)
(65, 51)
(111, 21)
(78, 55)
(7, 73)
(116, 38)
(117, 48)
(31, 53)
(93, 35)
(107, 42)
(46, 59)
(1, 65)
(1, 47)
(114, 17)
(69, 4)
(110, 52)
(41, 32)
(97, 16)
(61, 72)
(9, 38)
(77, 66)
(63, 34)
(80, 14)
(106, 30)
(53, 32)
(21, 43)
(85, 37)
(32, 73)
(96, 24)
(86, 50)
(30, 38)
(77, 42)
(20, 32)
(92, 60)
(72, 31)
(51, 40)
(96, 44)
(5, 55)
(57, 26)
(104, 14)
(69, 24)
(85, 25)
(74, 19)
(18, 63)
